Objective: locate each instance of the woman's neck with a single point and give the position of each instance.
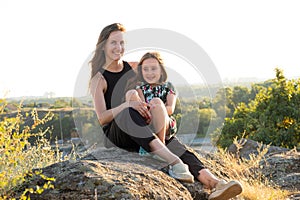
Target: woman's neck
(114, 66)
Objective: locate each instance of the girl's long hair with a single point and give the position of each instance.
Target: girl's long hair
(139, 77)
(156, 55)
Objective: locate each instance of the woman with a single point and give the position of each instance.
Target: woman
(124, 123)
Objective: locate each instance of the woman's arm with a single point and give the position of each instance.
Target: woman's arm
(98, 88)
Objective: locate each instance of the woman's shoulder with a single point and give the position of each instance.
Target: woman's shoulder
(97, 81)
(131, 64)
(129, 67)
(98, 77)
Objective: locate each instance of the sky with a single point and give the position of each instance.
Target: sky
(44, 44)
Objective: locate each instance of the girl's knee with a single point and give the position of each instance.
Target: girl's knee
(157, 101)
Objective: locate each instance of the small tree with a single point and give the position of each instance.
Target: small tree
(272, 117)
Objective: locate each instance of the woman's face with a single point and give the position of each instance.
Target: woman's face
(151, 70)
(114, 46)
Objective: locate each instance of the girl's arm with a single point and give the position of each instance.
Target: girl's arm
(147, 115)
(171, 103)
(141, 95)
(171, 99)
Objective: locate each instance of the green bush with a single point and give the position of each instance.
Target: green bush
(273, 117)
(18, 156)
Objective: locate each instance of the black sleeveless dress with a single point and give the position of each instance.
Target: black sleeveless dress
(116, 85)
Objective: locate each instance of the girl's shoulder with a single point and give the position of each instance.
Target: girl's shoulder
(170, 87)
(168, 84)
(141, 84)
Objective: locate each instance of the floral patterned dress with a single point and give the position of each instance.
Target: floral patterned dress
(160, 91)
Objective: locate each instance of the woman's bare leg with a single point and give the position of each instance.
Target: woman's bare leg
(207, 179)
(223, 189)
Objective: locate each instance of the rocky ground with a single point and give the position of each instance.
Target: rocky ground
(281, 166)
(118, 174)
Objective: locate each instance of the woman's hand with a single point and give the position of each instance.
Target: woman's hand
(141, 107)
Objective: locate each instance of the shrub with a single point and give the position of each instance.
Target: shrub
(18, 156)
(272, 117)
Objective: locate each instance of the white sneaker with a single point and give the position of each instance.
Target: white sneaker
(157, 157)
(224, 190)
(181, 172)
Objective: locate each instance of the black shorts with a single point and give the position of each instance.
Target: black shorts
(129, 131)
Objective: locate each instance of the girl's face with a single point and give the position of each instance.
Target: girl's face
(151, 70)
(114, 46)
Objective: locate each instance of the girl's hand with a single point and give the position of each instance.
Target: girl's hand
(141, 107)
(151, 105)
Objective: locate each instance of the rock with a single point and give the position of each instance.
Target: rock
(118, 174)
(279, 165)
(114, 174)
(283, 169)
(249, 147)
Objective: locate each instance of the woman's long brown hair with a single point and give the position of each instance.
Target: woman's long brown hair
(98, 60)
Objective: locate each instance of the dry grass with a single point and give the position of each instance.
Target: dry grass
(258, 190)
(255, 185)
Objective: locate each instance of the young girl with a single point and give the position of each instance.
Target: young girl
(154, 89)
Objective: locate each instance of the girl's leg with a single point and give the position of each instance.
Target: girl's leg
(129, 126)
(161, 150)
(130, 123)
(160, 118)
(196, 167)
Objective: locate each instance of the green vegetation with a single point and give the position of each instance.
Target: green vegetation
(19, 157)
(267, 112)
(271, 116)
(65, 112)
